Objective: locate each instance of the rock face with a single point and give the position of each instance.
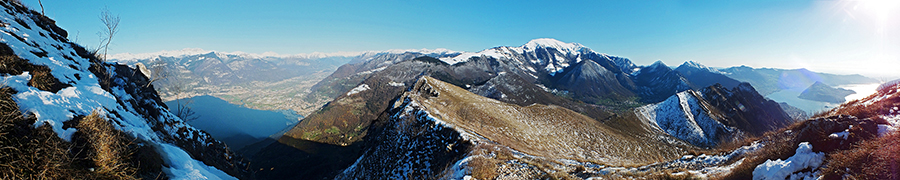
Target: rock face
(821, 92)
(57, 82)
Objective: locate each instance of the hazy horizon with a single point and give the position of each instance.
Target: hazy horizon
(840, 37)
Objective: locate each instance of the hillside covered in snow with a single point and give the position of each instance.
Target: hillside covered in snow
(68, 114)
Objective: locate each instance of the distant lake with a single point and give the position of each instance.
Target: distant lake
(234, 124)
(790, 96)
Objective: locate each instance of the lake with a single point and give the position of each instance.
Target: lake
(790, 96)
(236, 125)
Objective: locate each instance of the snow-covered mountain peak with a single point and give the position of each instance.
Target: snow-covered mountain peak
(173, 53)
(698, 66)
(552, 43)
(658, 65)
(314, 55)
(694, 64)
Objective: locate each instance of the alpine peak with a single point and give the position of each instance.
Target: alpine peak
(552, 43)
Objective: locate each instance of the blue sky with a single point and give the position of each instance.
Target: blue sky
(838, 36)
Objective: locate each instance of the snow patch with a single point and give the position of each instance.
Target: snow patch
(552, 43)
(696, 65)
(781, 169)
(884, 129)
(358, 89)
(371, 71)
(396, 84)
(494, 53)
(182, 166)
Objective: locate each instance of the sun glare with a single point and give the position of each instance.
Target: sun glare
(882, 10)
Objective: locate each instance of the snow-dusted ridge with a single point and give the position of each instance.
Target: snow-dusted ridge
(197, 51)
(84, 95)
(697, 65)
(549, 54)
(683, 116)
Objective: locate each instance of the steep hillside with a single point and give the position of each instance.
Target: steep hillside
(69, 115)
(435, 124)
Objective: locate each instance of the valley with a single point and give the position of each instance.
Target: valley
(235, 125)
(542, 108)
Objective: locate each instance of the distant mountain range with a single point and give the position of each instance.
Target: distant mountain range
(769, 80)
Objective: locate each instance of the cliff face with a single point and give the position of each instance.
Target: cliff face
(56, 83)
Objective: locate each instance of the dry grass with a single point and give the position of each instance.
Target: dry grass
(873, 159)
(483, 168)
(108, 147)
(859, 109)
(97, 150)
(32, 153)
(541, 130)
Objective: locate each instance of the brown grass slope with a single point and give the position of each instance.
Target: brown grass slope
(542, 130)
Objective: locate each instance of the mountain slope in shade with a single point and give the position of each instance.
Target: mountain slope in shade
(57, 84)
(588, 80)
(702, 76)
(658, 82)
(821, 92)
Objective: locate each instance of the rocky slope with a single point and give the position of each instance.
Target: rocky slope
(56, 85)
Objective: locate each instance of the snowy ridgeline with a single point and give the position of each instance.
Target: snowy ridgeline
(84, 95)
(565, 55)
(683, 117)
